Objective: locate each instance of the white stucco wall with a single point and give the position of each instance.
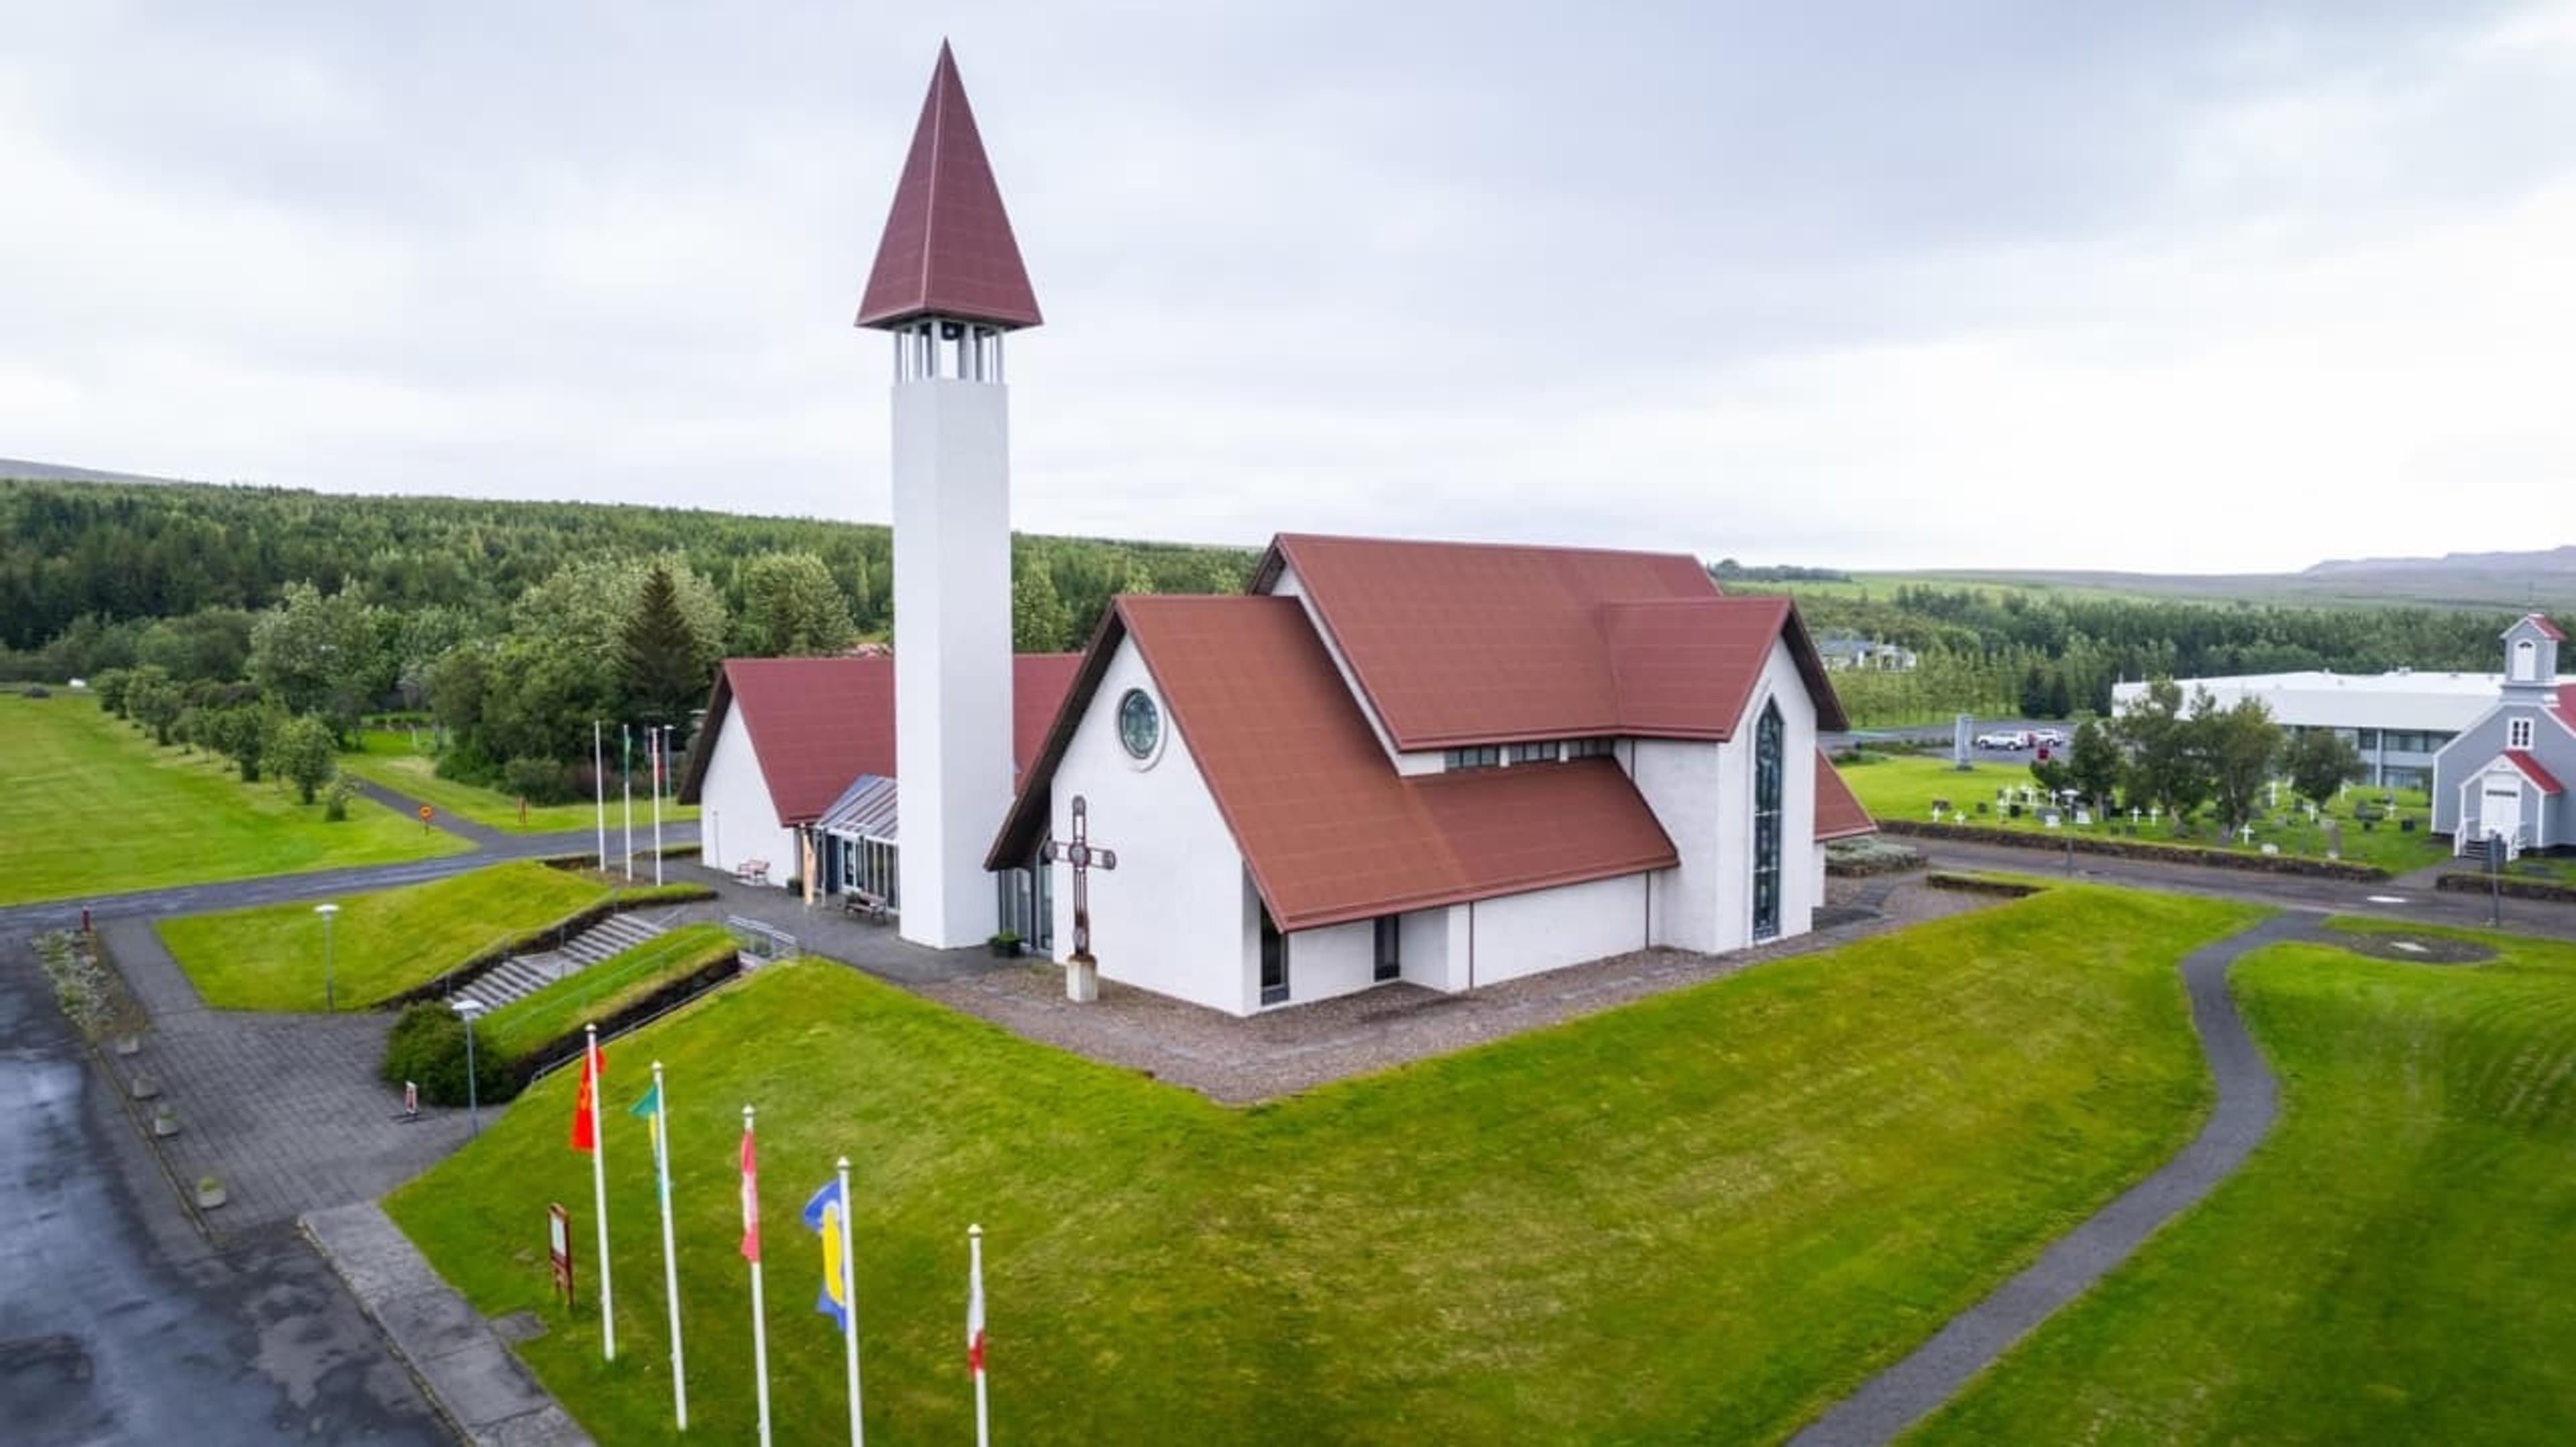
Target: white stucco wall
(1171, 917)
(1322, 963)
(1423, 949)
(952, 659)
(737, 821)
(1548, 929)
(1702, 793)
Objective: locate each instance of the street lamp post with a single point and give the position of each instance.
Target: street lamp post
(469, 1007)
(330, 1001)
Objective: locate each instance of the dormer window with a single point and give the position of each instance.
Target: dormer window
(2517, 734)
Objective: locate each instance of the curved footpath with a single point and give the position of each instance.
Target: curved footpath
(1932, 1373)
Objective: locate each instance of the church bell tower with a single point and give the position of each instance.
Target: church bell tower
(948, 285)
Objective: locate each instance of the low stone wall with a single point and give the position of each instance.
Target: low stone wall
(1980, 884)
(2059, 841)
(567, 1046)
(2548, 891)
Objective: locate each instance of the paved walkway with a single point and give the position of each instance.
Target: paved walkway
(468, 1368)
(285, 1109)
(482, 836)
(1241, 1060)
(1902, 1394)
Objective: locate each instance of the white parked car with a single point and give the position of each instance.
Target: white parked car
(2054, 738)
(2003, 741)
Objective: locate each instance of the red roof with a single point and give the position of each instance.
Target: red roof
(1469, 643)
(2547, 629)
(1838, 813)
(2532, 770)
(948, 249)
(1329, 830)
(818, 723)
(2567, 703)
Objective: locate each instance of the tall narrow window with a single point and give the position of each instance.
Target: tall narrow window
(1390, 944)
(1274, 960)
(1766, 824)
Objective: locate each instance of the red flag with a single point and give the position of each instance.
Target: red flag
(750, 1202)
(585, 1135)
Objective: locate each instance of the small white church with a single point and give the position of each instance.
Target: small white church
(1449, 764)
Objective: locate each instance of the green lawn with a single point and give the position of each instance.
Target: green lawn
(2390, 1266)
(1904, 786)
(270, 957)
(1699, 1217)
(603, 989)
(88, 805)
(389, 757)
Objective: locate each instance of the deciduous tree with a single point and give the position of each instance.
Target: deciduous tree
(2320, 762)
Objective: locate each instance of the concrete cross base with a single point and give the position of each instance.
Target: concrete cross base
(1082, 979)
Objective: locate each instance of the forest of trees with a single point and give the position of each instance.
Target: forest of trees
(1998, 651)
(516, 623)
(217, 615)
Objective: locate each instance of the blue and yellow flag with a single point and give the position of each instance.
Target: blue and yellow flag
(823, 1215)
(648, 1109)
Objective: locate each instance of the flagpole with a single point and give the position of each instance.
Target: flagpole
(670, 1259)
(626, 789)
(850, 1310)
(599, 791)
(654, 740)
(599, 1191)
(975, 1328)
(751, 1248)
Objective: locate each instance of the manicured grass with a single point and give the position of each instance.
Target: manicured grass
(88, 805)
(603, 989)
(387, 757)
(1700, 1217)
(1904, 786)
(270, 957)
(2390, 1266)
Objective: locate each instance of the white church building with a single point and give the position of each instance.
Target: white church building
(1449, 764)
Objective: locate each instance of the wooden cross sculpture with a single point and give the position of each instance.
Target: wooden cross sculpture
(1084, 859)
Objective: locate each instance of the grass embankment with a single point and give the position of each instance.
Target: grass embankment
(88, 805)
(1699, 1217)
(391, 758)
(270, 957)
(2390, 1266)
(1904, 787)
(602, 990)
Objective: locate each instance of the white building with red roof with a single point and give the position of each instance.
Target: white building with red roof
(1445, 764)
(2503, 781)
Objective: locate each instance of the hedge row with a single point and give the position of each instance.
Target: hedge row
(2058, 842)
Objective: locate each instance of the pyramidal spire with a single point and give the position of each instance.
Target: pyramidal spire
(948, 249)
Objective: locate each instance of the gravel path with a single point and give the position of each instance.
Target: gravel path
(1239, 1061)
(1902, 1394)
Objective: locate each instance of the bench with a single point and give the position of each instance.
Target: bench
(865, 905)
(751, 871)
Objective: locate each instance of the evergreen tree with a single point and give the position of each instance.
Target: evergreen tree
(2034, 693)
(1039, 622)
(2061, 699)
(659, 670)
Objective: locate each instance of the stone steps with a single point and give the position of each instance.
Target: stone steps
(520, 976)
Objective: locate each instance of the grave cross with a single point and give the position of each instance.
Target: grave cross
(1084, 859)
(2246, 833)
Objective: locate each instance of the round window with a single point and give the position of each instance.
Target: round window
(1140, 724)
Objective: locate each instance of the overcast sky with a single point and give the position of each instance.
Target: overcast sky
(2174, 287)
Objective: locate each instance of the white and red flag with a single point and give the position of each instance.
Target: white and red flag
(750, 1201)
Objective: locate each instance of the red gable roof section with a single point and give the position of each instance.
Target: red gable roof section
(1839, 814)
(948, 249)
(2547, 629)
(1328, 830)
(1459, 643)
(2532, 770)
(1467, 643)
(2567, 703)
(818, 723)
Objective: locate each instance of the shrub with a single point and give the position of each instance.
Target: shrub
(335, 804)
(539, 781)
(427, 1047)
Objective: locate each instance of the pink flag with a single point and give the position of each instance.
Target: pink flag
(750, 1202)
(975, 1320)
